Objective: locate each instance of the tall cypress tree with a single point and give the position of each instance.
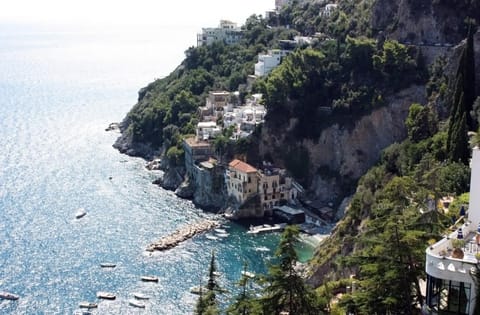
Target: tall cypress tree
(469, 78)
(462, 105)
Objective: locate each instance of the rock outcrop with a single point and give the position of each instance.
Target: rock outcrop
(347, 151)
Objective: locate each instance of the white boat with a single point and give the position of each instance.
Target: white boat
(222, 235)
(262, 249)
(8, 296)
(150, 278)
(248, 274)
(106, 295)
(136, 303)
(87, 305)
(211, 237)
(220, 231)
(108, 265)
(197, 289)
(80, 213)
(140, 296)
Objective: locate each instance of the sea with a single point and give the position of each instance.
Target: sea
(59, 89)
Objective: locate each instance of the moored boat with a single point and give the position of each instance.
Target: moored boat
(248, 274)
(140, 296)
(211, 237)
(136, 303)
(87, 305)
(80, 213)
(108, 265)
(197, 289)
(220, 231)
(106, 295)
(8, 296)
(150, 278)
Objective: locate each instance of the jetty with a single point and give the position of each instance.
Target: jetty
(182, 234)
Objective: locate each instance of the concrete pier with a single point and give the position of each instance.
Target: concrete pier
(182, 234)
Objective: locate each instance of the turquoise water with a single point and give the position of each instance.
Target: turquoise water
(59, 90)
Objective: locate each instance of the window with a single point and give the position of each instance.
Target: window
(249, 179)
(448, 297)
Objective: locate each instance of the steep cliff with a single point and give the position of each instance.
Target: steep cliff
(345, 151)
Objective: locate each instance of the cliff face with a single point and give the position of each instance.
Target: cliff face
(347, 151)
(421, 21)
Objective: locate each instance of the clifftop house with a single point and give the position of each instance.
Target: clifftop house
(227, 31)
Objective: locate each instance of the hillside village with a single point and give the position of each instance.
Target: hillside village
(252, 192)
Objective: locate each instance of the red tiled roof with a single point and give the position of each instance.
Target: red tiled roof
(242, 166)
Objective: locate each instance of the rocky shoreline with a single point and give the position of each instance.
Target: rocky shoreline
(182, 235)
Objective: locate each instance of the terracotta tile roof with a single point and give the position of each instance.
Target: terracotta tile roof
(242, 166)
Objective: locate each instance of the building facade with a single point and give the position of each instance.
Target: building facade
(195, 151)
(267, 62)
(227, 31)
(452, 266)
(241, 180)
(274, 187)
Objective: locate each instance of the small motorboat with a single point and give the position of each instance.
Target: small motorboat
(197, 289)
(223, 235)
(106, 295)
(87, 305)
(80, 213)
(136, 303)
(248, 274)
(8, 296)
(211, 237)
(150, 278)
(221, 231)
(140, 296)
(108, 265)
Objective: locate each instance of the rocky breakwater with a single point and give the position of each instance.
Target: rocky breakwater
(182, 234)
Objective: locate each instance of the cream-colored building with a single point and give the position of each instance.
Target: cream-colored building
(274, 187)
(241, 180)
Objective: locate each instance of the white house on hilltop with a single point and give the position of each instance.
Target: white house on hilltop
(227, 32)
(451, 288)
(267, 62)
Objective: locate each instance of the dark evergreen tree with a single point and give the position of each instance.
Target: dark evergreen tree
(285, 290)
(207, 303)
(245, 303)
(469, 78)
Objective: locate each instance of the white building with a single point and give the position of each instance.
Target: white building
(328, 9)
(207, 130)
(451, 288)
(227, 31)
(267, 62)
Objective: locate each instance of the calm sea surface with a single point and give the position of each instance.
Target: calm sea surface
(59, 90)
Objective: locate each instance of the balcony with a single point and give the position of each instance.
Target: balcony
(446, 262)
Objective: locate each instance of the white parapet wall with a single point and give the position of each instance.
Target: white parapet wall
(474, 203)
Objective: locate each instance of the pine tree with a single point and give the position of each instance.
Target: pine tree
(207, 303)
(285, 290)
(244, 303)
